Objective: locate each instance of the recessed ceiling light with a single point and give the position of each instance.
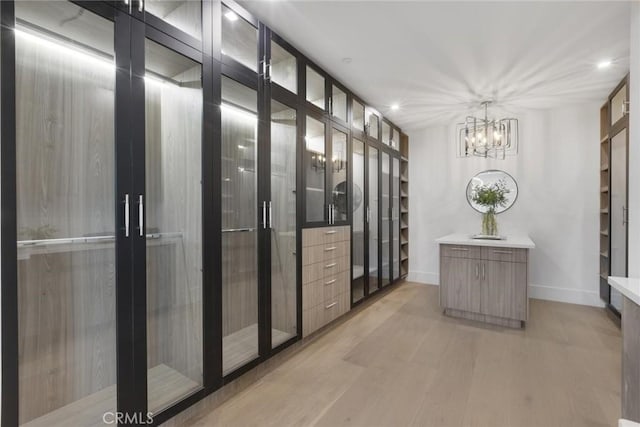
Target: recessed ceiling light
(231, 16)
(604, 64)
(395, 107)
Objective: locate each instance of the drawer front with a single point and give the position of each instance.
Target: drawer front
(313, 272)
(326, 252)
(312, 319)
(460, 251)
(324, 235)
(504, 254)
(335, 307)
(312, 294)
(334, 286)
(335, 266)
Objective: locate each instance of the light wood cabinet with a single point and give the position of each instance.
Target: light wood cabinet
(326, 256)
(484, 283)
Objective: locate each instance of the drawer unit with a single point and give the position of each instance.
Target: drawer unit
(326, 259)
(505, 254)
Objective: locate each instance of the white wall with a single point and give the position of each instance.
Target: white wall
(557, 171)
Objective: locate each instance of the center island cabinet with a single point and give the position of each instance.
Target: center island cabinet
(485, 280)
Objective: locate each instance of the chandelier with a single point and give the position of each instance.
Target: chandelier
(487, 138)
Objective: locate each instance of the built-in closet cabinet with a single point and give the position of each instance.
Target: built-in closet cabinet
(159, 163)
(614, 193)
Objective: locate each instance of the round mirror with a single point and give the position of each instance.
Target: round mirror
(492, 189)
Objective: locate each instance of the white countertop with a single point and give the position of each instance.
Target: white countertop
(514, 241)
(627, 423)
(627, 286)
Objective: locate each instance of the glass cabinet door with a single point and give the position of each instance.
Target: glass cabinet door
(282, 224)
(284, 68)
(386, 133)
(186, 15)
(338, 103)
(239, 225)
(357, 113)
(373, 216)
(373, 122)
(385, 208)
(239, 39)
(395, 217)
(358, 210)
(173, 225)
(65, 83)
(395, 140)
(315, 167)
(339, 173)
(315, 88)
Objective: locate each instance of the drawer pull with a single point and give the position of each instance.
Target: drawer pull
(460, 249)
(330, 282)
(332, 248)
(333, 264)
(503, 252)
(331, 232)
(327, 307)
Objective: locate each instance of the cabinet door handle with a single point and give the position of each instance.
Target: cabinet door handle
(126, 215)
(330, 282)
(502, 252)
(327, 307)
(331, 232)
(368, 215)
(332, 248)
(141, 214)
(333, 264)
(264, 215)
(483, 272)
(460, 249)
(270, 215)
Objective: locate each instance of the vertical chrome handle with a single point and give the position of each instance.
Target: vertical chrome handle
(329, 214)
(140, 5)
(483, 272)
(270, 215)
(126, 215)
(141, 214)
(477, 272)
(368, 214)
(269, 71)
(264, 215)
(333, 214)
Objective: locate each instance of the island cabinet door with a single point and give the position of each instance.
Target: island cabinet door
(504, 291)
(460, 283)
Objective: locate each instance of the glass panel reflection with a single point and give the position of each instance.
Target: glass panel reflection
(372, 125)
(239, 39)
(315, 164)
(384, 213)
(395, 141)
(283, 224)
(339, 170)
(284, 68)
(185, 15)
(173, 192)
(358, 211)
(386, 133)
(65, 172)
(358, 115)
(315, 88)
(339, 103)
(373, 219)
(239, 225)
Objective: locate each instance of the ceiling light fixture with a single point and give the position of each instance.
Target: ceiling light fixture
(482, 137)
(395, 107)
(231, 16)
(604, 64)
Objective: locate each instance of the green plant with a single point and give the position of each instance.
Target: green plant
(490, 196)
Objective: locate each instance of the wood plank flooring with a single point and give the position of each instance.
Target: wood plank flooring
(400, 362)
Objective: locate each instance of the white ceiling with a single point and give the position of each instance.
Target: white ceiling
(438, 60)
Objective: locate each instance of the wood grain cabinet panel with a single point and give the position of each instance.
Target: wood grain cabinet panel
(485, 283)
(504, 291)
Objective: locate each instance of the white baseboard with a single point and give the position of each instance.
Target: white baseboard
(572, 296)
(550, 293)
(423, 277)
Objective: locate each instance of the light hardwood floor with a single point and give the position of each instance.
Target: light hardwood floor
(400, 362)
